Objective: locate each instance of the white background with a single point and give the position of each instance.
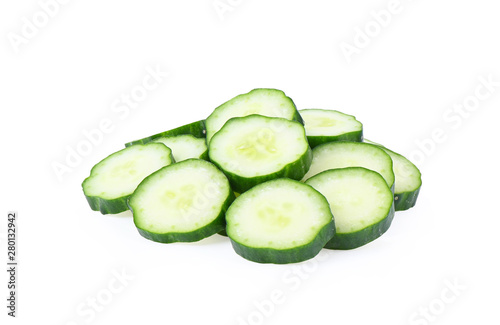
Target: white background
(66, 76)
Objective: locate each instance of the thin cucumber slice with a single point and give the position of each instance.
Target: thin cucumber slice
(267, 102)
(407, 182)
(253, 149)
(185, 146)
(114, 179)
(183, 202)
(361, 202)
(196, 129)
(280, 221)
(324, 126)
(351, 154)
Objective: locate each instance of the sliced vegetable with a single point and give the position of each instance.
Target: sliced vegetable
(361, 203)
(351, 154)
(267, 102)
(324, 126)
(185, 146)
(183, 202)
(253, 149)
(114, 179)
(408, 180)
(196, 129)
(237, 174)
(280, 221)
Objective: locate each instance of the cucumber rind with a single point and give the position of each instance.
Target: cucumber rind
(406, 200)
(286, 256)
(196, 129)
(223, 232)
(211, 130)
(216, 225)
(106, 206)
(355, 136)
(294, 170)
(114, 205)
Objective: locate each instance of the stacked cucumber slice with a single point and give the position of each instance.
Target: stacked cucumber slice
(281, 183)
(361, 201)
(280, 221)
(114, 179)
(183, 202)
(253, 149)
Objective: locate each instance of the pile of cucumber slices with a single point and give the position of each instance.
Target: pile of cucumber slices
(281, 183)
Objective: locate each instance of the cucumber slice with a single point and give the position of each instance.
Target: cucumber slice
(324, 126)
(185, 146)
(183, 202)
(351, 154)
(361, 202)
(280, 221)
(196, 129)
(408, 180)
(267, 102)
(253, 149)
(114, 179)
